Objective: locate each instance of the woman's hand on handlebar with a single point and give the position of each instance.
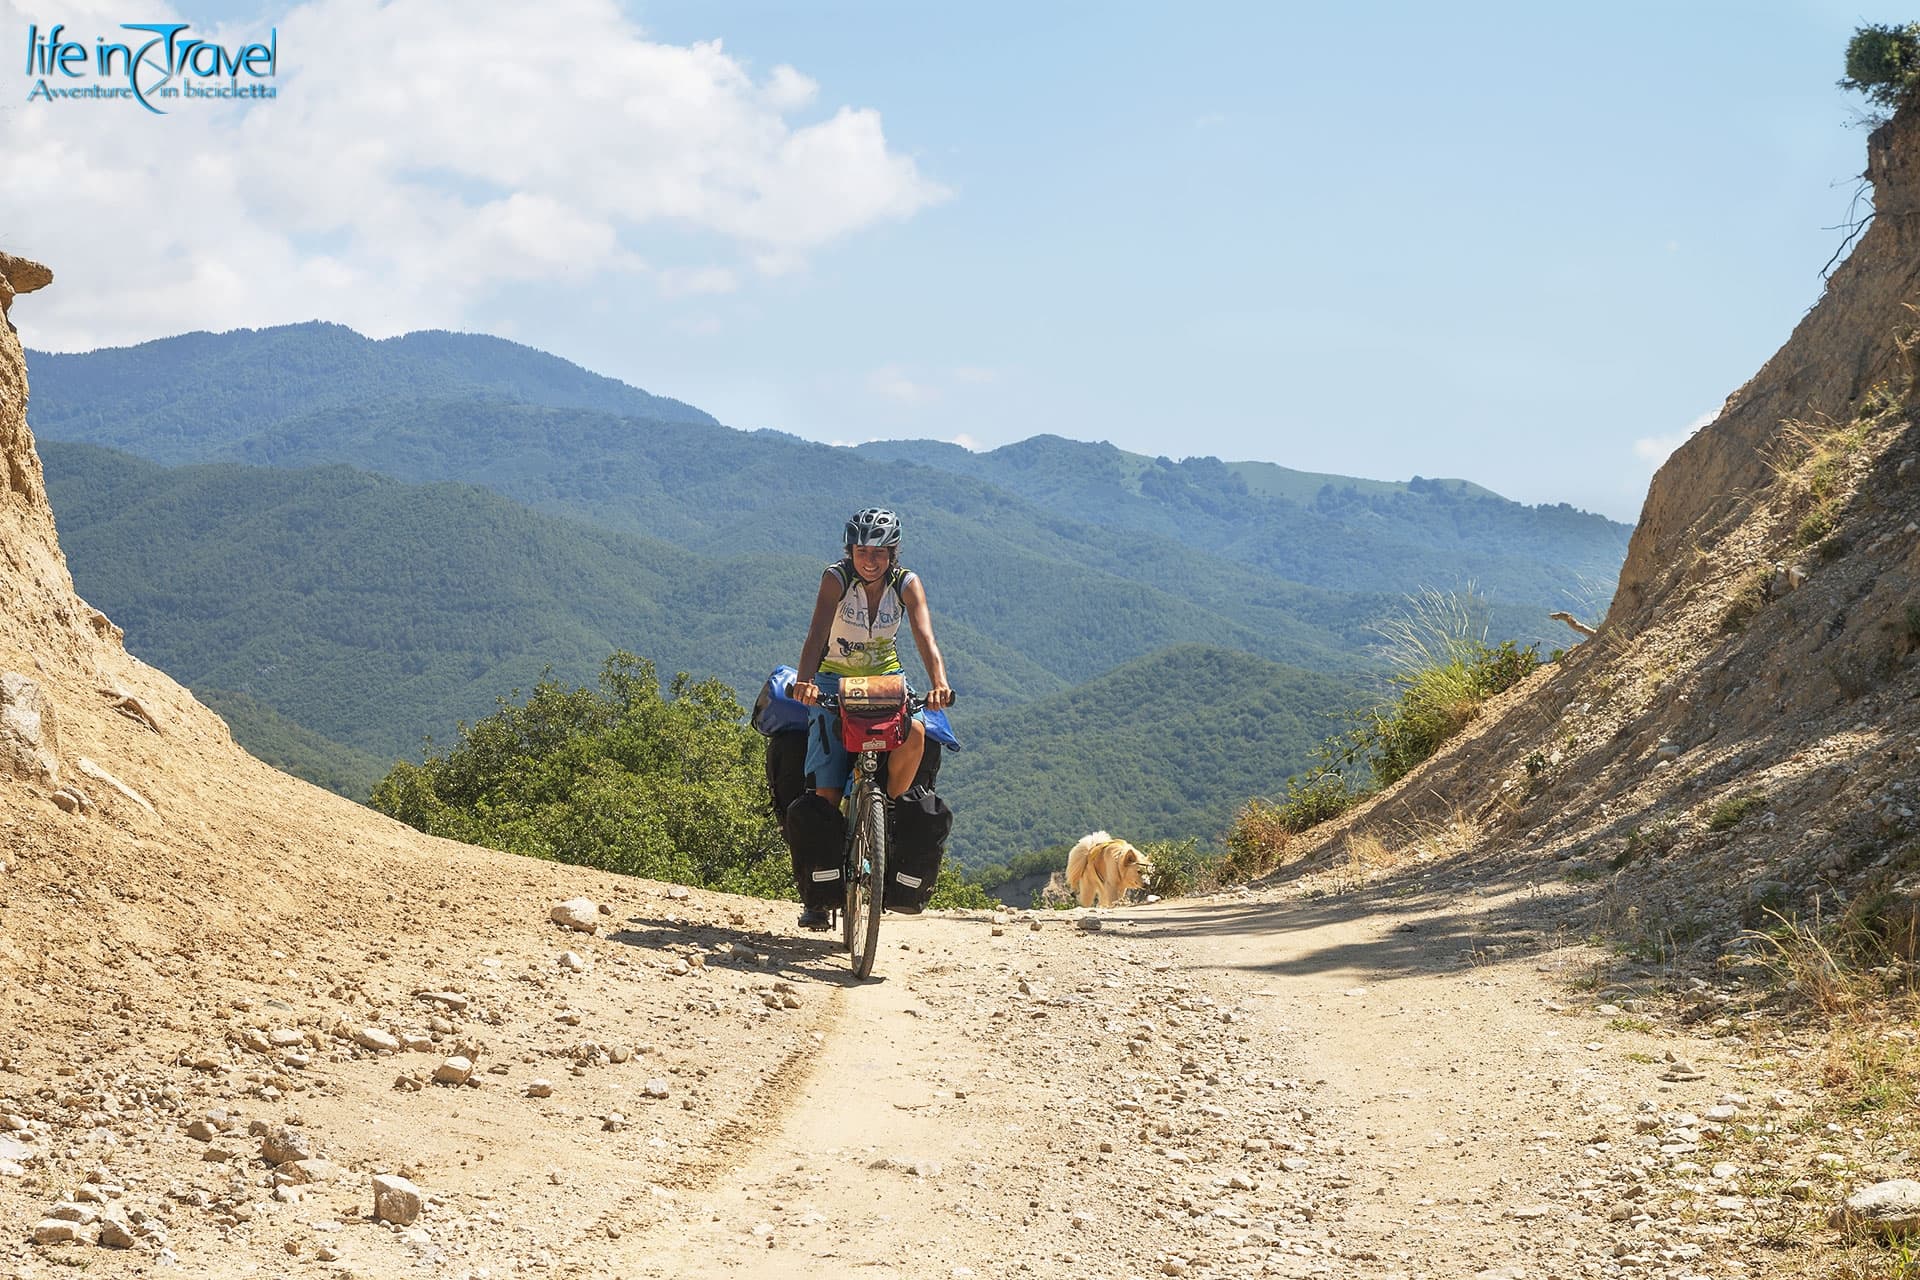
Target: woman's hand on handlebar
(804, 692)
(939, 696)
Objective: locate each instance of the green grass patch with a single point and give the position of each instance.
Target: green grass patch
(1729, 812)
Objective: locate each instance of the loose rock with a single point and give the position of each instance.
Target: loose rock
(576, 913)
(455, 1070)
(396, 1200)
(1888, 1209)
(283, 1145)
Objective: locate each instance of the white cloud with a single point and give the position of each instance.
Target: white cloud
(420, 160)
(891, 382)
(966, 442)
(686, 282)
(788, 90)
(1652, 451)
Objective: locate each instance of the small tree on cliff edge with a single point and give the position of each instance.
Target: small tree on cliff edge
(1884, 63)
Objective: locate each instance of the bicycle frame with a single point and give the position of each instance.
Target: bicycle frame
(865, 864)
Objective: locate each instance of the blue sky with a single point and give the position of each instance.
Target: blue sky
(1528, 245)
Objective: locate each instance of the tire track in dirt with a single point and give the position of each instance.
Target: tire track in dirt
(731, 1143)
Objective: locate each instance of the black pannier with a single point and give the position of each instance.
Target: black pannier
(786, 770)
(817, 837)
(918, 843)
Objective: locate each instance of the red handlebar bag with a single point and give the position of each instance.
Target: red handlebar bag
(873, 713)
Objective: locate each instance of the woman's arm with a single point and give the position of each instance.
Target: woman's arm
(914, 596)
(815, 648)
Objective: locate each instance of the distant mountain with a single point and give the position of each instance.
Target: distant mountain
(1329, 531)
(1165, 746)
(458, 407)
(174, 398)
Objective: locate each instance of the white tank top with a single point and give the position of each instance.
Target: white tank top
(859, 644)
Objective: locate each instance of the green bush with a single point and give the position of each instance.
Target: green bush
(1883, 62)
(1445, 671)
(1434, 703)
(1179, 868)
(618, 777)
(1316, 798)
(953, 892)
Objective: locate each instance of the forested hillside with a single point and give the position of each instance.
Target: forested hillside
(1163, 747)
(1332, 531)
(376, 612)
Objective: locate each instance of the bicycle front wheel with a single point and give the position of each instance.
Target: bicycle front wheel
(867, 883)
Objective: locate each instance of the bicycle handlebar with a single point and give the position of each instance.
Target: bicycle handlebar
(915, 701)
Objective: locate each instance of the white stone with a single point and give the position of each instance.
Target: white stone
(576, 913)
(572, 962)
(29, 740)
(59, 1231)
(540, 1089)
(376, 1039)
(112, 783)
(396, 1200)
(1890, 1208)
(455, 1070)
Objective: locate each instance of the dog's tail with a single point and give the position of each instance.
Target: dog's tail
(1079, 876)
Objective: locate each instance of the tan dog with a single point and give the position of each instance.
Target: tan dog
(1103, 867)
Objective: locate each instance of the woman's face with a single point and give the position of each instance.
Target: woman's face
(872, 563)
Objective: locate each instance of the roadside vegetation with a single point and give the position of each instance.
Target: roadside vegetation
(624, 777)
(1444, 671)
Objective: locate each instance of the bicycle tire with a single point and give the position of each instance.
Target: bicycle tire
(850, 872)
(869, 880)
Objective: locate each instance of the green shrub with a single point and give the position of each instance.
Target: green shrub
(1730, 811)
(1445, 671)
(619, 777)
(953, 892)
(1314, 799)
(1883, 62)
(1180, 869)
(1434, 703)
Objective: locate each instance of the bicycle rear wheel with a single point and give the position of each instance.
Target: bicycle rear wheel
(868, 878)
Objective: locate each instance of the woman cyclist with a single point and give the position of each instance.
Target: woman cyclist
(856, 614)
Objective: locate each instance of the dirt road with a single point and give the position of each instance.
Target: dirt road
(1395, 1080)
(1384, 1084)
